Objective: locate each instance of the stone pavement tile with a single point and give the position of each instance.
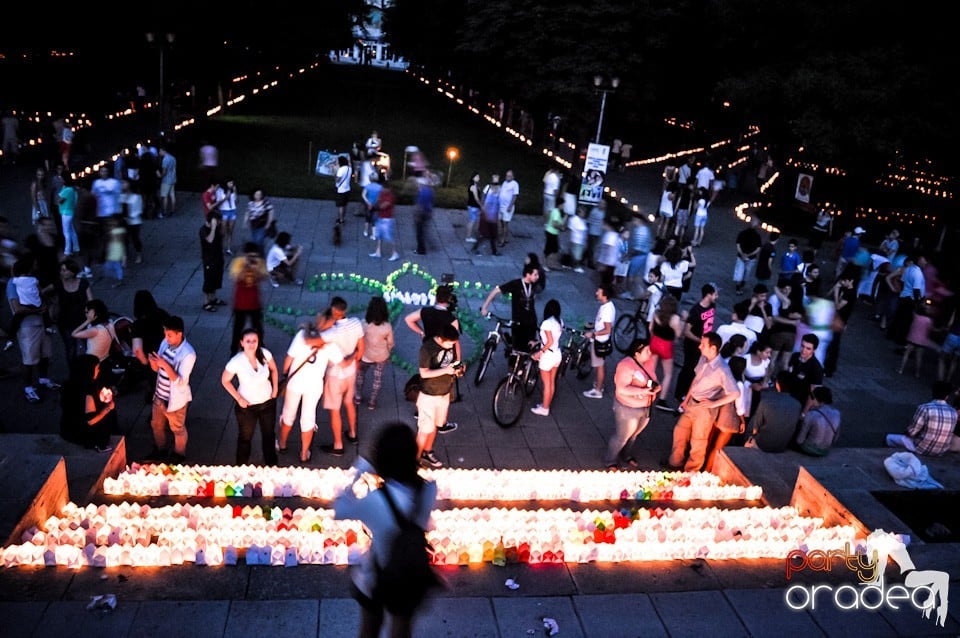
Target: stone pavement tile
(278, 617)
(870, 511)
(305, 581)
(338, 617)
(749, 573)
(764, 614)
(667, 575)
(21, 618)
(510, 457)
(469, 456)
(203, 619)
(517, 616)
(625, 615)
(30, 584)
(540, 432)
(487, 580)
(838, 623)
(71, 618)
(907, 621)
(556, 458)
(459, 617)
(183, 582)
(696, 614)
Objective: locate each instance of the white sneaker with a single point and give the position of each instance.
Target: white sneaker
(593, 393)
(31, 394)
(50, 384)
(540, 411)
(394, 257)
(274, 283)
(377, 255)
(578, 269)
(471, 240)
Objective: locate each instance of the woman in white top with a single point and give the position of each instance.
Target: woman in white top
(549, 354)
(700, 219)
(256, 373)
(757, 371)
(673, 267)
(96, 329)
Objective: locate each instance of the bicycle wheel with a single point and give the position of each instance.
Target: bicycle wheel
(533, 376)
(484, 362)
(624, 332)
(582, 357)
(564, 363)
(509, 400)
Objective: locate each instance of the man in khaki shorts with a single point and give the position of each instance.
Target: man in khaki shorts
(340, 379)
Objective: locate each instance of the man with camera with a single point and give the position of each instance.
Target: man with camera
(636, 389)
(428, 321)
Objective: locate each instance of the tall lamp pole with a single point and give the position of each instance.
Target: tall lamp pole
(162, 44)
(602, 87)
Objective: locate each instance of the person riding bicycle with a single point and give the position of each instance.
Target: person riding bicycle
(522, 304)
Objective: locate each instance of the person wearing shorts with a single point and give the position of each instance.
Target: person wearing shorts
(548, 355)
(438, 374)
(385, 222)
(602, 332)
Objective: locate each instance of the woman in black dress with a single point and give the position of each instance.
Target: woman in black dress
(73, 293)
(211, 254)
(89, 415)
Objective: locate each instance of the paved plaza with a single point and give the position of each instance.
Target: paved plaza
(670, 598)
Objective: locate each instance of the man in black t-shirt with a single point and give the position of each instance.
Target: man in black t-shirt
(768, 252)
(701, 319)
(436, 361)
(522, 304)
(428, 321)
(804, 370)
(748, 249)
(844, 296)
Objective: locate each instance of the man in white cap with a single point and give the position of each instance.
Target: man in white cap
(849, 249)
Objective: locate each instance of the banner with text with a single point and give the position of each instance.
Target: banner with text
(594, 174)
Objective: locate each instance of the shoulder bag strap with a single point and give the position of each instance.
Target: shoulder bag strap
(311, 359)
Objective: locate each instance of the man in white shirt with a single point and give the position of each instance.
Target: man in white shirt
(551, 184)
(342, 181)
(509, 191)
(340, 380)
(602, 333)
(705, 178)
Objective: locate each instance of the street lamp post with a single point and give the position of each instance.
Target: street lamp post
(161, 44)
(452, 153)
(602, 87)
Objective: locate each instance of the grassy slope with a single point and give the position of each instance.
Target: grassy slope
(265, 140)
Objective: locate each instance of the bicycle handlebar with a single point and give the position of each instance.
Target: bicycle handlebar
(502, 320)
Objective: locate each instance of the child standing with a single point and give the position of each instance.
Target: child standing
(27, 287)
(700, 218)
(116, 251)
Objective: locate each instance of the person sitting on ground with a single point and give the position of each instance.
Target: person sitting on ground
(774, 422)
(282, 261)
(931, 432)
(821, 425)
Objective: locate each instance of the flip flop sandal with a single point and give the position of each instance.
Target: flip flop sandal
(209, 307)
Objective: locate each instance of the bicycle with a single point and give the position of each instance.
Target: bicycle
(510, 397)
(630, 326)
(494, 337)
(575, 352)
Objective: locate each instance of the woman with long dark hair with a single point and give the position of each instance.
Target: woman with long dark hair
(95, 329)
(88, 416)
(377, 346)
(72, 295)
(548, 356)
(666, 326)
(255, 396)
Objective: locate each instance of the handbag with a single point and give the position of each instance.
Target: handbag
(603, 349)
(282, 385)
(411, 389)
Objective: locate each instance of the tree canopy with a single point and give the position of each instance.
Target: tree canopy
(853, 83)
